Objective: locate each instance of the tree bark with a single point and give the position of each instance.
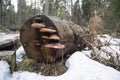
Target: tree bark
(66, 38)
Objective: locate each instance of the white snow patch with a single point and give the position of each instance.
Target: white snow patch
(4, 37)
(19, 54)
(80, 67)
(4, 70)
(88, 53)
(112, 49)
(107, 38)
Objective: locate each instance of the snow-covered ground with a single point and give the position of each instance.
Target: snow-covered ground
(4, 36)
(20, 53)
(7, 38)
(110, 45)
(107, 38)
(80, 67)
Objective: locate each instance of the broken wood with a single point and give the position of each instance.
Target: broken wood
(8, 42)
(57, 38)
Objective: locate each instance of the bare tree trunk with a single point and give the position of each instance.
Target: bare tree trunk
(1, 10)
(71, 7)
(47, 7)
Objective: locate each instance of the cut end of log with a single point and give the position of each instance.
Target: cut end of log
(47, 30)
(55, 46)
(38, 25)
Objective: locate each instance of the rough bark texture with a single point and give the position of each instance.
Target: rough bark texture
(34, 43)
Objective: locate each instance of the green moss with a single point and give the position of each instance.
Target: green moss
(26, 64)
(53, 69)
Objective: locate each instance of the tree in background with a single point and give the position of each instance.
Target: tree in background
(26, 11)
(76, 13)
(112, 18)
(115, 8)
(7, 10)
(21, 12)
(10, 15)
(56, 8)
(1, 12)
(65, 9)
(86, 9)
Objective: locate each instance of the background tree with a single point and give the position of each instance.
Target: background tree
(112, 15)
(87, 9)
(74, 10)
(1, 12)
(76, 15)
(7, 9)
(21, 11)
(57, 8)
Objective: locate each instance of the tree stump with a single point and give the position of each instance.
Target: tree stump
(48, 38)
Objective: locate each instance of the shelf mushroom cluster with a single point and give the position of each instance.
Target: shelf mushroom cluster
(48, 36)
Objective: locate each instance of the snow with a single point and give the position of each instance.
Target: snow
(4, 37)
(4, 70)
(88, 53)
(19, 54)
(112, 49)
(80, 66)
(107, 38)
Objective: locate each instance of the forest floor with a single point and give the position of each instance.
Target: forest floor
(100, 63)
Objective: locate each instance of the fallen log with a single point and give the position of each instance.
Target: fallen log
(9, 41)
(7, 45)
(51, 38)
